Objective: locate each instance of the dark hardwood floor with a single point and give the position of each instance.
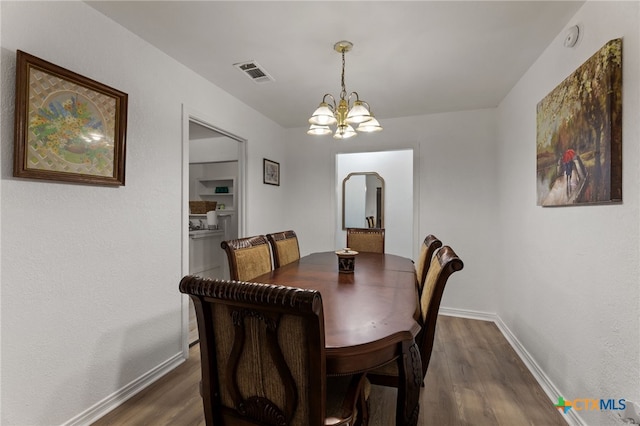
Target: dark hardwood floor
(475, 378)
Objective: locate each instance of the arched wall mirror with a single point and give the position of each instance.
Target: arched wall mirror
(363, 200)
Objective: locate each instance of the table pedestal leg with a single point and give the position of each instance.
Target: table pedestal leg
(410, 379)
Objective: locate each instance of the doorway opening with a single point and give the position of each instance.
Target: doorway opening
(394, 172)
(213, 173)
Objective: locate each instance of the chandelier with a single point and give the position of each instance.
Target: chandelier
(345, 113)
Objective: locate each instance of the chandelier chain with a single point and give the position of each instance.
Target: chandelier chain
(343, 93)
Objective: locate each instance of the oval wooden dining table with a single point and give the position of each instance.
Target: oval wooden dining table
(370, 317)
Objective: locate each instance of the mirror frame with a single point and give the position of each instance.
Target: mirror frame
(344, 184)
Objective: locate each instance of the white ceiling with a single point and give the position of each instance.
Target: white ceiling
(409, 58)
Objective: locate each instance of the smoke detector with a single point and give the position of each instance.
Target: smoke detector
(252, 70)
(571, 37)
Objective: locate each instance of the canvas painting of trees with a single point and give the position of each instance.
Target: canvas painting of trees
(579, 134)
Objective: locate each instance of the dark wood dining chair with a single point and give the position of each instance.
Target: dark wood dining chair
(366, 239)
(371, 222)
(285, 248)
(444, 263)
(248, 257)
(428, 247)
(262, 350)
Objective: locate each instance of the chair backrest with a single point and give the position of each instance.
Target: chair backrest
(248, 257)
(371, 222)
(366, 239)
(262, 350)
(285, 248)
(428, 247)
(444, 263)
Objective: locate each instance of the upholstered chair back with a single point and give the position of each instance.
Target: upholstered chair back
(248, 257)
(366, 239)
(285, 247)
(428, 247)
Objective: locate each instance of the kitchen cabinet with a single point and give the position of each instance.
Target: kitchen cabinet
(206, 257)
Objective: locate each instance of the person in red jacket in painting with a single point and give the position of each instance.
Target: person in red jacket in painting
(567, 166)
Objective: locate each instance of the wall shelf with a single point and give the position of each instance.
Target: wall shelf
(206, 190)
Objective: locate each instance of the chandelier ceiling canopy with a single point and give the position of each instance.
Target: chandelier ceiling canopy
(349, 110)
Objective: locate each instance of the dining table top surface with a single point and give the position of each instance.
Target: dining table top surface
(372, 308)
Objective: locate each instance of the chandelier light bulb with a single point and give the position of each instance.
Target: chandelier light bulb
(358, 113)
(318, 130)
(344, 132)
(323, 116)
(369, 126)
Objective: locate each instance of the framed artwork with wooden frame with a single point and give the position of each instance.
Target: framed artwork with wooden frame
(579, 134)
(271, 171)
(67, 126)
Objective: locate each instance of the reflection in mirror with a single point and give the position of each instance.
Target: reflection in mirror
(363, 201)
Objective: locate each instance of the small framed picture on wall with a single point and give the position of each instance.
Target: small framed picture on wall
(271, 172)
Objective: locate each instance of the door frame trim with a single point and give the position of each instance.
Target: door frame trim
(188, 115)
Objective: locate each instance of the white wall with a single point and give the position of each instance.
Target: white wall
(569, 285)
(90, 274)
(454, 185)
(396, 168)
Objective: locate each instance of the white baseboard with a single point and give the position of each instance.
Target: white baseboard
(117, 398)
(572, 418)
(465, 313)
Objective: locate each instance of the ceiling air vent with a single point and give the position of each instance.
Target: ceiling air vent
(252, 70)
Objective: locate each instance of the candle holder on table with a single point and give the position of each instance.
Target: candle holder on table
(346, 260)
